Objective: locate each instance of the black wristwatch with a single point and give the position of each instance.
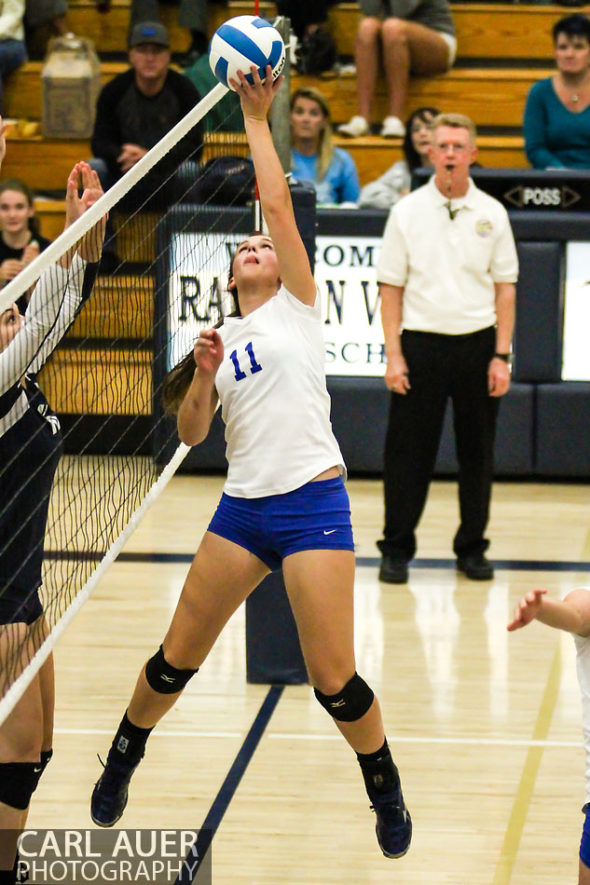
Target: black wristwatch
(503, 356)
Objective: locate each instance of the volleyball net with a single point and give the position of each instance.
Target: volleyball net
(94, 360)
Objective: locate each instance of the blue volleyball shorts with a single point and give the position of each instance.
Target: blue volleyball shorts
(313, 517)
(585, 843)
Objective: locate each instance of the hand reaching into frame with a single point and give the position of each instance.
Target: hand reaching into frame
(256, 97)
(526, 609)
(89, 247)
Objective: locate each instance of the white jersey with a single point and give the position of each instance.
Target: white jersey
(583, 668)
(448, 267)
(274, 401)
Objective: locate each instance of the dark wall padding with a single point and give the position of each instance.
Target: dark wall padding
(273, 653)
(539, 312)
(210, 454)
(514, 451)
(359, 419)
(563, 429)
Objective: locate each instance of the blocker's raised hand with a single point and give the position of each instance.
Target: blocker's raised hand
(256, 97)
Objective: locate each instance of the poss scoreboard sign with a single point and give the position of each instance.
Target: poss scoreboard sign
(565, 189)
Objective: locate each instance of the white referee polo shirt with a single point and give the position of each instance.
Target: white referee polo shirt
(447, 267)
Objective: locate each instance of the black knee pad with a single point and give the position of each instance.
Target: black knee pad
(351, 702)
(17, 783)
(39, 769)
(164, 678)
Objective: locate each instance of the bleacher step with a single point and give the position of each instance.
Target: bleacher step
(504, 30)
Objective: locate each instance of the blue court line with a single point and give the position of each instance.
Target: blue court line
(221, 802)
(513, 565)
(516, 565)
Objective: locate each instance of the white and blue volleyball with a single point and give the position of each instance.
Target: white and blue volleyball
(244, 41)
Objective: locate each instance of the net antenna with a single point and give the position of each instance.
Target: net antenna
(98, 380)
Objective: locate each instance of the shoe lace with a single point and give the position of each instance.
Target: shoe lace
(111, 776)
(389, 806)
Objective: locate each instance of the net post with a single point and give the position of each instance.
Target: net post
(280, 112)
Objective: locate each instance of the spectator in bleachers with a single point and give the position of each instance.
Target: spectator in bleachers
(13, 52)
(20, 238)
(557, 111)
(330, 169)
(408, 36)
(396, 182)
(134, 111)
(226, 114)
(192, 15)
(315, 47)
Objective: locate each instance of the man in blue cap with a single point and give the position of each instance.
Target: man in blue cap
(192, 15)
(134, 111)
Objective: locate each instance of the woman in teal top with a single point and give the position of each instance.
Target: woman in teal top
(557, 112)
(314, 158)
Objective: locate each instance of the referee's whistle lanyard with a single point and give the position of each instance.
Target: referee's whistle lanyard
(452, 212)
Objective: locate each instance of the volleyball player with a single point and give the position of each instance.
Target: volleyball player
(572, 613)
(284, 500)
(30, 448)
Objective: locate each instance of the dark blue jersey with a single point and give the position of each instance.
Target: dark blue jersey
(29, 454)
(30, 437)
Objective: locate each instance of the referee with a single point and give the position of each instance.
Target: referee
(447, 274)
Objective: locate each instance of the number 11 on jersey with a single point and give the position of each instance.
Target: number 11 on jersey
(254, 366)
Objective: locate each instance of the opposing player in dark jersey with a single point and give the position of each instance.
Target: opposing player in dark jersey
(30, 448)
(284, 501)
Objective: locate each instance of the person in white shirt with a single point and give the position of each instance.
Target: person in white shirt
(447, 273)
(284, 501)
(572, 614)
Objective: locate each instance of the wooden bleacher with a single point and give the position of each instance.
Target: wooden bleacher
(502, 37)
(502, 50)
(513, 30)
(112, 314)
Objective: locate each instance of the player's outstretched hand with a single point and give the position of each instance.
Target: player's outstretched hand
(256, 97)
(83, 178)
(526, 609)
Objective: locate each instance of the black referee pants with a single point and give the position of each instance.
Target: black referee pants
(440, 366)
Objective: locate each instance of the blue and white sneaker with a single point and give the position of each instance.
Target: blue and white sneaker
(110, 793)
(394, 824)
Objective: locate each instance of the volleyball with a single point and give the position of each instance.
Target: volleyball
(244, 41)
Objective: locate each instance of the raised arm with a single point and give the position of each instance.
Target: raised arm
(571, 613)
(89, 247)
(277, 207)
(198, 406)
(53, 305)
(58, 292)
